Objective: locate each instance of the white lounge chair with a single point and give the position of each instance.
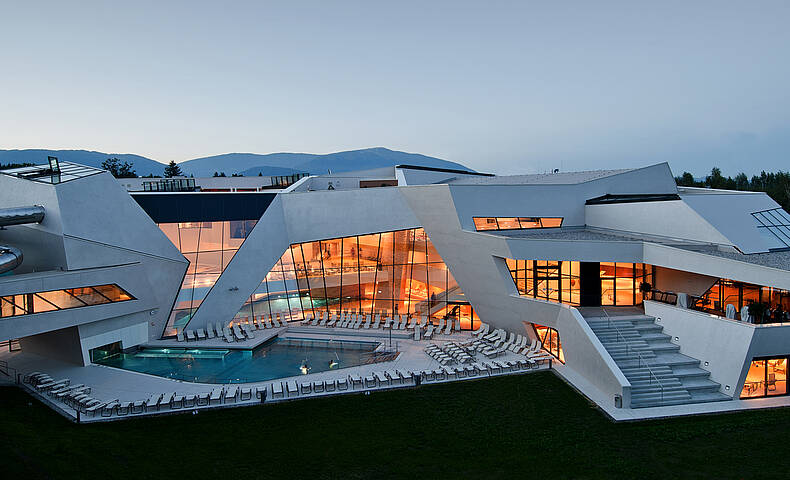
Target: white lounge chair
(191, 337)
(201, 334)
(210, 331)
(277, 390)
(180, 336)
(292, 388)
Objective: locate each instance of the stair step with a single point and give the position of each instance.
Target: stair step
(659, 374)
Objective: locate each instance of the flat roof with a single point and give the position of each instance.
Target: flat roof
(563, 178)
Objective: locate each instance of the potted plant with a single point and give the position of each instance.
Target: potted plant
(645, 288)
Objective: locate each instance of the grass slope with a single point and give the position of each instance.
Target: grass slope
(507, 427)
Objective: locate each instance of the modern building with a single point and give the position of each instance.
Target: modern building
(651, 299)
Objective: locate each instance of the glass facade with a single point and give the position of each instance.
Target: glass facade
(550, 339)
(738, 294)
(390, 273)
(560, 281)
(38, 302)
(557, 281)
(209, 247)
(515, 223)
(620, 282)
(767, 377)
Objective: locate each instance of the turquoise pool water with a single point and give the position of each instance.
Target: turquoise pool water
(281, 357)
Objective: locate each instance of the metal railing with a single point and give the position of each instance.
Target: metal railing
(641, 361)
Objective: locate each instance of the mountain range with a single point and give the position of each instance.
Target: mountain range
(247, 164)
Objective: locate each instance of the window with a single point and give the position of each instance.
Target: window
(767, 377)
(515, 223)
(550, 340)
(620, 282)
(738, 294)
(39, 302)
(557, 281)
(397, 272)
(776, 222)
(209, 247)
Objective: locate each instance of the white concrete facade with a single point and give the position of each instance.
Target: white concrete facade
(639, 216)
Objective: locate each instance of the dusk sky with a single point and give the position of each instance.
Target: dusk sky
(503, 87)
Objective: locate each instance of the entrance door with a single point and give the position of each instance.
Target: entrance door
(590, 284)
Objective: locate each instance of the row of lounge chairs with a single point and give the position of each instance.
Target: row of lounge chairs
(449, 353)
(476, 370)
(232, 333)
(421, 326)
(77, 397)
(497, 342)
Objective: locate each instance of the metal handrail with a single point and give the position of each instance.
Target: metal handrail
(640, 359)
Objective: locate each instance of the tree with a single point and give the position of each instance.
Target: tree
(173, 170)
(687, 180)
(118, 169)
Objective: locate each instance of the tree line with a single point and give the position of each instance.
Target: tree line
(776, 185)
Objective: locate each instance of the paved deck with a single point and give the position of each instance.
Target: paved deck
(110, 383)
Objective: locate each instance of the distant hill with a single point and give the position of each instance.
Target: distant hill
(142, 165)
(251, 163)
(247, 164)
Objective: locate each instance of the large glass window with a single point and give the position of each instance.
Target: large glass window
(38, 302)
(738, 294)
(557, 281)
(209, 247)
(515, 223)
(550, 339)
(620, 282)
(767, 377)
(396, 272)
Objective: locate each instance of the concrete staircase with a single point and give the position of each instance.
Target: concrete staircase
(659, 374)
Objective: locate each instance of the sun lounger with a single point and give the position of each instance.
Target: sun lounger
(237, 333)
(292, 388)
(191, 336)
(370, 381)
(417, 333)
(268, 323)
(215, 397)
(228, 335)
(314, 322)
(201, 334)
(124, 408)
(245, 394)
(429, 331)
(250, 332)
(210, 331)
(276, 322)
(332, 322)
(318, 386)
(153, 402)
(356, 381)
(190, 400)
(180, 336)
(109, 408)
(277, 390)
(449, 329)
(342, 384)
(305, 388)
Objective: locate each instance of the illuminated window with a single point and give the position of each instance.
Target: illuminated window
(767, 377)
(738, 294)
(556, 281)
(550, 340)
(388, 273)
(209, 247)
(515, 223)
(620, 282)
(39, 302)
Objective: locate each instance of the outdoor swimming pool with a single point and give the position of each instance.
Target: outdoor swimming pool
(278, 358)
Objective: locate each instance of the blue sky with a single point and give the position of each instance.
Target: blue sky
(507, 87)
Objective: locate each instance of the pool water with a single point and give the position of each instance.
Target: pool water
(278, 358)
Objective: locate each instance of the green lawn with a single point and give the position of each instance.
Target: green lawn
(507, 427)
